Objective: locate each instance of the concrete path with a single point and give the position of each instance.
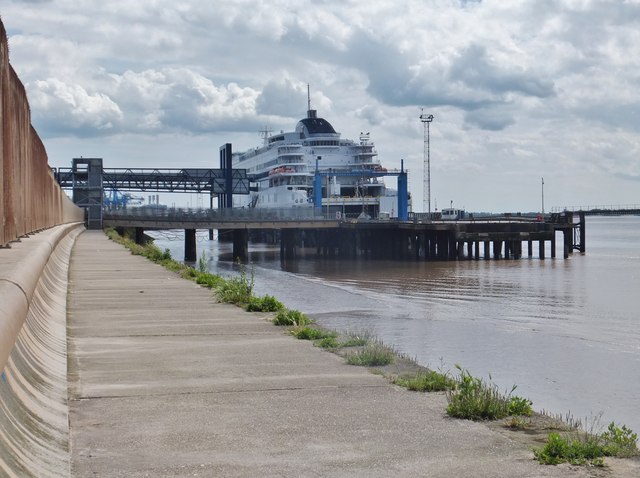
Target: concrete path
(165, 382)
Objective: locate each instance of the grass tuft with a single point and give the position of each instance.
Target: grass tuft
(372, 355)
(475, 399)
(306, 332)
(328, 343)
(238, 289)
(266, 303)
(291, 318)
(357, 338)
(427, 381)
(588, 448)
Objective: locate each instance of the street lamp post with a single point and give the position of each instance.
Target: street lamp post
(426, 121)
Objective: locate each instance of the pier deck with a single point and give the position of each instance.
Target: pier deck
(488, 238)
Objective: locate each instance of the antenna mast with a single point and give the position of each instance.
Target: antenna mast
(426, 190)
(308, 98)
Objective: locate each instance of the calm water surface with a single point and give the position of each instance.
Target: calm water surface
(567, 332)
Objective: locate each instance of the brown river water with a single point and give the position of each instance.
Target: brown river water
(566, 332)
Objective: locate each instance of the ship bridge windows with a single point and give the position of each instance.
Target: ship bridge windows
(327, 142)
(279, 137)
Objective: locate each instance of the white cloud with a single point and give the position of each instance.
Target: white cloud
(518, 88)
(71, 107)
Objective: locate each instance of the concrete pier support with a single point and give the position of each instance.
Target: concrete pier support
(553, 246)
(583, 232)
(487, 249)
(541, 248)
(530, 248)
(139, 235)
(517, 249)
(288, 243)
(190, 253)
(433, 251)
(497, 249)
(240, 244)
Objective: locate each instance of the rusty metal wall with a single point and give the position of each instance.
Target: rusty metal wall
(30, 197)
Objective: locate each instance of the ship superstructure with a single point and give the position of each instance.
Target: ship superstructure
(282, 170)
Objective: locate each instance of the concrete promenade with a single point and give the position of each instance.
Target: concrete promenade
(165, 382)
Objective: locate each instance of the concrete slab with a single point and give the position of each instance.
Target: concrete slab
(165, 382)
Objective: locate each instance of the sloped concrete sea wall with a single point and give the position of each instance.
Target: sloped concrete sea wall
(30, 197)
(39, 223)
(34, 426)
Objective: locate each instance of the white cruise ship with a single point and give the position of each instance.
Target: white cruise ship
(282, 172)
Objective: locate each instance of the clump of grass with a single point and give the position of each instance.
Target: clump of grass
(559, 422)
(291, 318)
(427, 381)
(357, 338)
(562, 449)
(475, 399)
(588, 448)
(189, 273)
(266, 303)
(306, 332)
(372, 355)
(518, 423)
(149, 250)
(328, 343)
(202, 262)
(236, 290)
(209, 280)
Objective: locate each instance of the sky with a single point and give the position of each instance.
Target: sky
(520, 90)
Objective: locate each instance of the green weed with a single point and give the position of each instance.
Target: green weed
(289, 317)
(475, 399)
(518, 423)
(236, 290)
(427, 381)
(372, 355)
(519, 406)
(266, 303)
(357, 338)
(209, 280)
(562, 449)
(588, 448)
(189, 273)
(328, 343)
(310, 333)
(202, 262)
(620, 441)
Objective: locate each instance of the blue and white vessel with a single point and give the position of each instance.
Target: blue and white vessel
(282, 171)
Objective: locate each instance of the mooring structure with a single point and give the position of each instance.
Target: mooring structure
(490, 238)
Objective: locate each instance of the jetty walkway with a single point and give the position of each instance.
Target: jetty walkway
(166, 382)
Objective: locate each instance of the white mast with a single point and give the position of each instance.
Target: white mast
(426, 191)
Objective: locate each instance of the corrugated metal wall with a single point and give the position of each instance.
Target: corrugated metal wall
(30, 197)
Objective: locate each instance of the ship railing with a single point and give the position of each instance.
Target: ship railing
(306, 212)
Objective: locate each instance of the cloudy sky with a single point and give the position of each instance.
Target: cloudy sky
(520, 89)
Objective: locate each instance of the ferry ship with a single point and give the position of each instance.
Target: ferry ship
(282, 172)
